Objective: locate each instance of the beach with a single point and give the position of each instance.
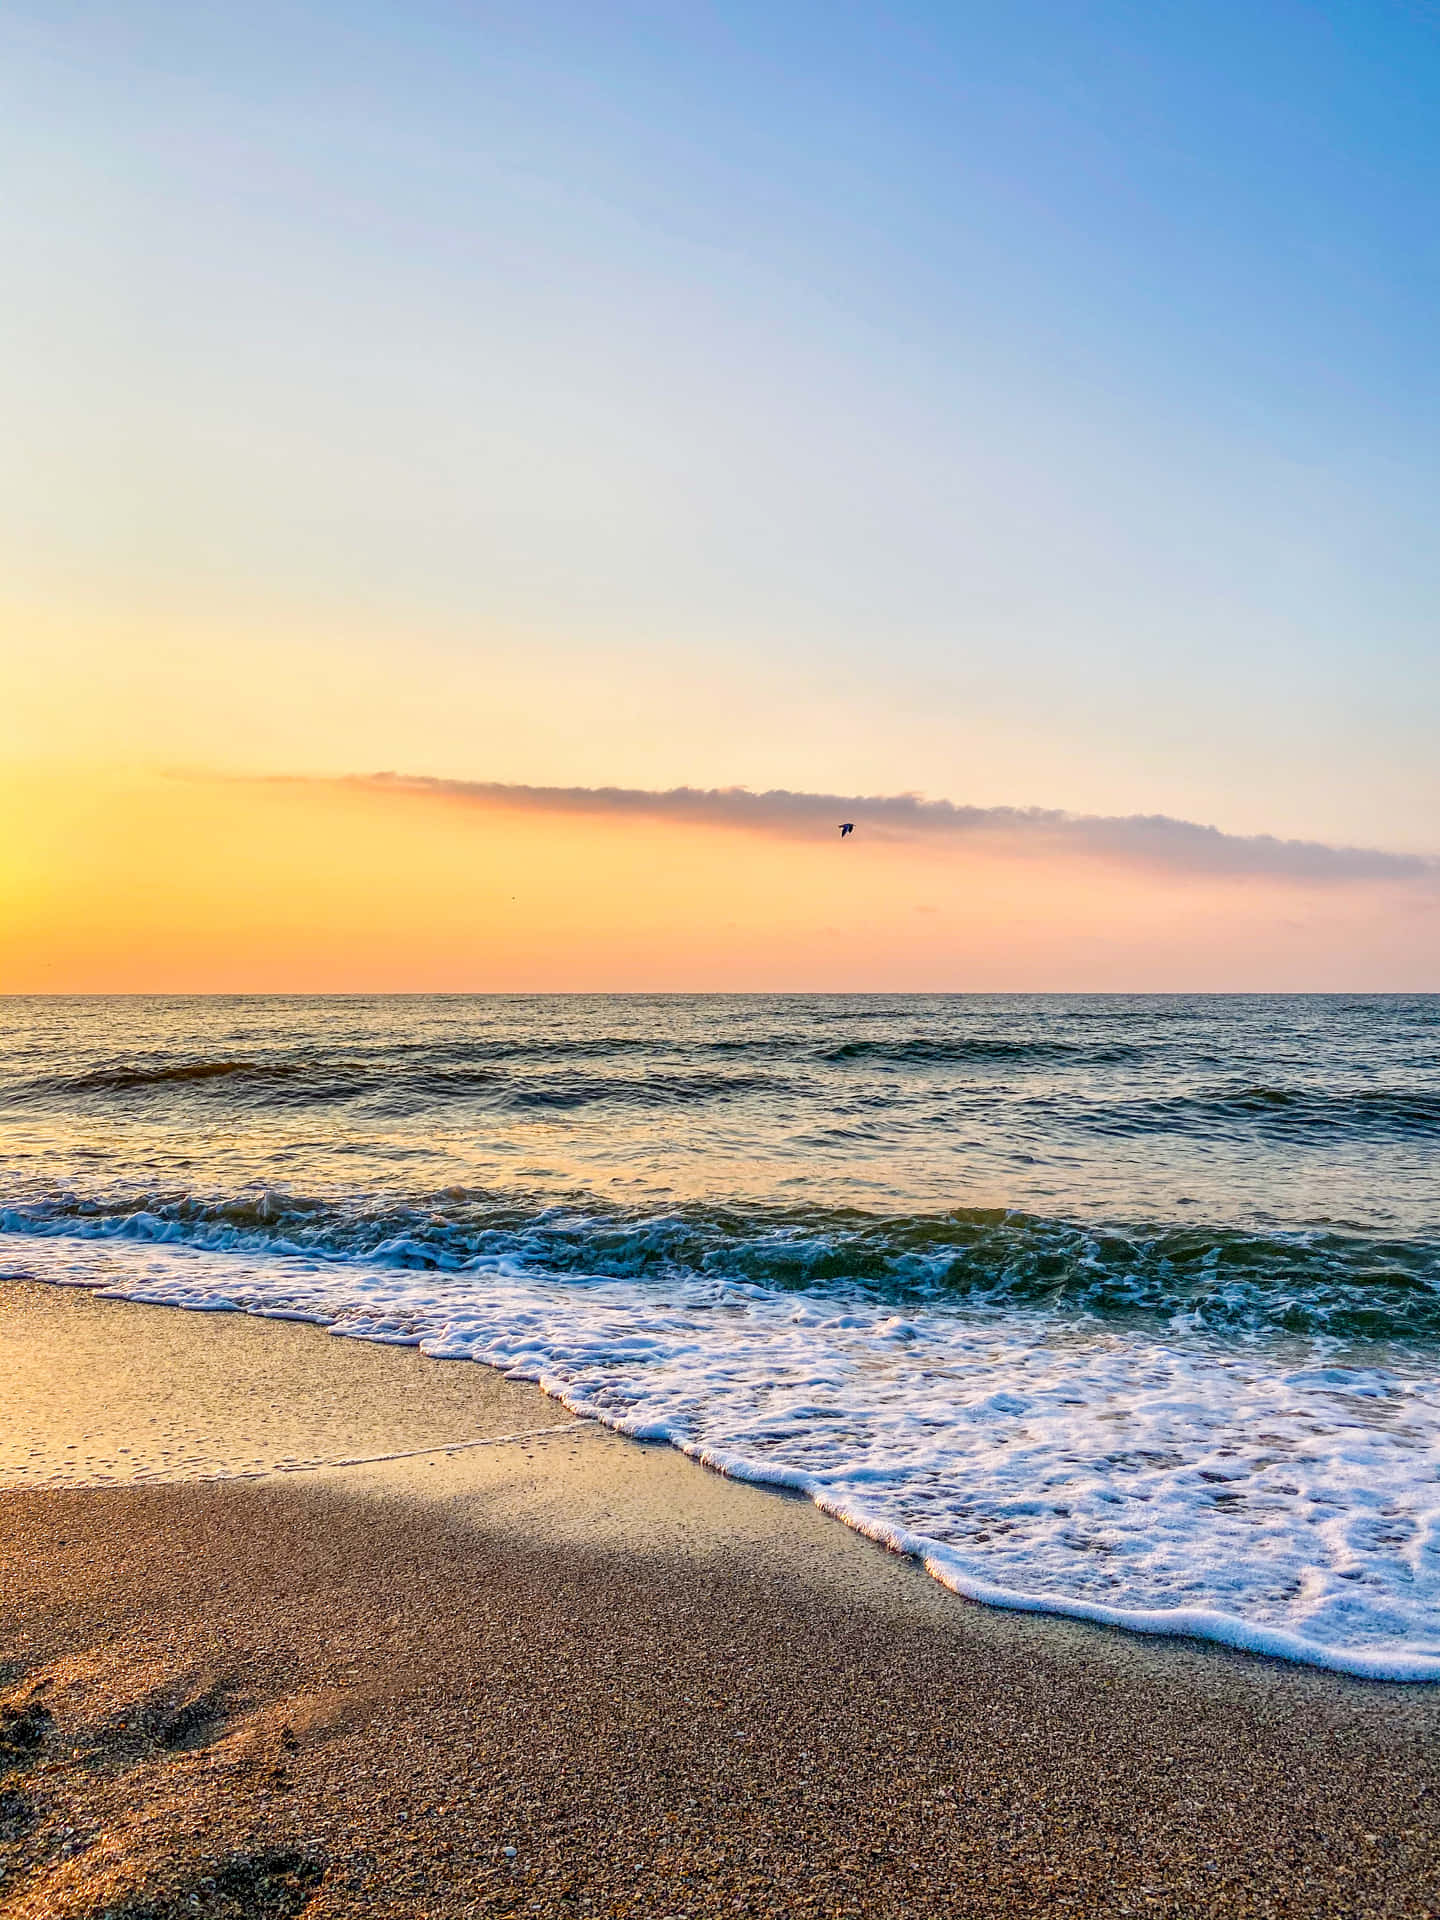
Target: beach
(568, 1673)
(720, 963)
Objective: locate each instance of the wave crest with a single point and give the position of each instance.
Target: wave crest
(1222, 1279)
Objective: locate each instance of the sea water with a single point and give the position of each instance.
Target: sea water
(1122, 1307)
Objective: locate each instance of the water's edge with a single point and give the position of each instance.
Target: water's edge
(1178, 1623)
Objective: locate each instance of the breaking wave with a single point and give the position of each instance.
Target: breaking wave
(1313, 1282)
(1278, 1496)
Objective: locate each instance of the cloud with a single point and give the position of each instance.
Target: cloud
(1156, 841)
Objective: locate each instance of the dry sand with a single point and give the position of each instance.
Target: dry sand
(571, 1675)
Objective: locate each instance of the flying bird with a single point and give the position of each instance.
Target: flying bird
(846, 826)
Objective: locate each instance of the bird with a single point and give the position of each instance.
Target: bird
(846, 826)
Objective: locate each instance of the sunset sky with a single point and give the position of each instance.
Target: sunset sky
(579, 412)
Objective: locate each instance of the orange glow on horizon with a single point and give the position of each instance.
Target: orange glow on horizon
(115, 882)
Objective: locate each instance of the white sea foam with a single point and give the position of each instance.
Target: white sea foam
(1268, 1497)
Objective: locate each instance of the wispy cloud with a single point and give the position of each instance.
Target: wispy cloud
(1149, 840)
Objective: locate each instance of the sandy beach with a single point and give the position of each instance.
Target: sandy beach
(562, 1673)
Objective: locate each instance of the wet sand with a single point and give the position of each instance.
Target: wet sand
(566, 1674)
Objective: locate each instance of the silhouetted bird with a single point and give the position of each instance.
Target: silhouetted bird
(847, 826)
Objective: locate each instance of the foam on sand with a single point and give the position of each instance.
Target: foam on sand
(1273, 1496)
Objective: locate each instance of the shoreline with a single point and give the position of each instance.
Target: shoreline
(668, 1692)
(1408, 1665)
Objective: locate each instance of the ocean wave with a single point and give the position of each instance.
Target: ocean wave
(281, 1079)
(652, 1090)
(1224, 1280)
(131, 1079)
(1280, 1497)
(940, 1050)
(286, 1083)
(440, 1069)
(628, 1072)
(1296, 1109)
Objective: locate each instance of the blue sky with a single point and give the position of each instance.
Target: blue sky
(1027, 405)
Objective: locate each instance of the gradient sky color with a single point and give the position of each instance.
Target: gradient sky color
(1030, 406)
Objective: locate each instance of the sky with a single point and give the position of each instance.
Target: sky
(1031, 408)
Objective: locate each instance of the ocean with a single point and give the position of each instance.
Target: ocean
(1120, 1307)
